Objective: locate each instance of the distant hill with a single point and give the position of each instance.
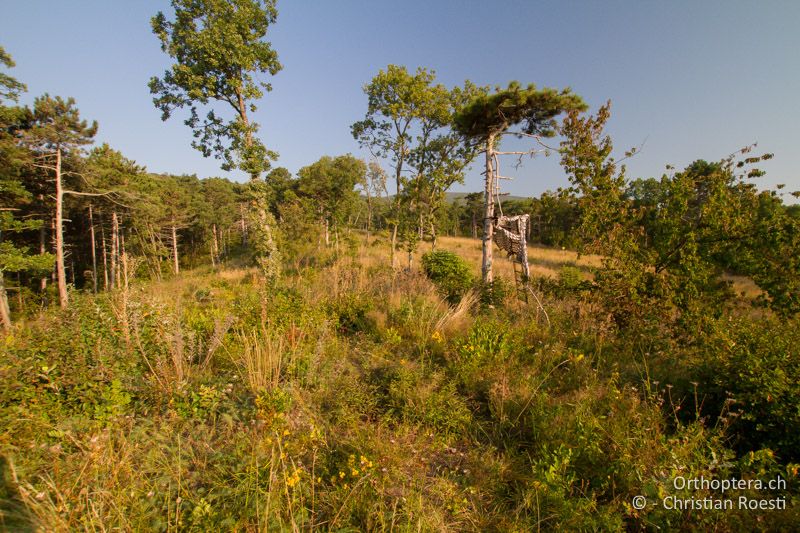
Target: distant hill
(453, 196)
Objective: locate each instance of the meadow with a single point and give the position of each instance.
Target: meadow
(352, 397)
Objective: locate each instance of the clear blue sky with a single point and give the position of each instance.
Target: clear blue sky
(690, 79)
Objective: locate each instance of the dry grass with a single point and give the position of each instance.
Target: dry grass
(543, 261)
(262, 360)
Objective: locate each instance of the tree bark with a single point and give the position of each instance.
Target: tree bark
(214, 246)
(105, 256)
(488, 212)
(175, 263)
(114, 250)
(63, 298)
(94, 251)
(124, 261)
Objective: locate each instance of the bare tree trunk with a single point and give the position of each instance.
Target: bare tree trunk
(369, 211)
(5, 312)
(175, 263)
(124, 261)
(216, 243)
(327, 233)
(62, 277)
(115, 277)
(156, 251)
(488, 213)
(94, 251)
(106, 285)
(433, 235)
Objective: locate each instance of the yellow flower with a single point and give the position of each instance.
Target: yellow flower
(354, 472)
(341, 474)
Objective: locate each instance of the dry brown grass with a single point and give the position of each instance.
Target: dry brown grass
(543, 261)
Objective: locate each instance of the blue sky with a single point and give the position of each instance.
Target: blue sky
(689, 79)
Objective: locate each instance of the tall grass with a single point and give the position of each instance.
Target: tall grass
(262, 359)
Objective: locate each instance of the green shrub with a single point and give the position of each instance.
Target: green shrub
(449, 272)
(496, 293)
(753, 378)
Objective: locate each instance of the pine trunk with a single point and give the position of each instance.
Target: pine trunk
(216, 243)
(114, 251)
(106, 285)
(63, 298)
(175, 263)
(94, 250)
(244, 225)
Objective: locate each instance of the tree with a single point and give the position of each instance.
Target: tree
(10, 87)
(219, 48)
(441, 155)
(396, 100)
(489, 116)
(58, 131)
(115, 182)
(330, 185)
(14, 158)
(374, 186)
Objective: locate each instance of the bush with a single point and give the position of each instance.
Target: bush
(449, 272)
(496, 293)
(755, 376)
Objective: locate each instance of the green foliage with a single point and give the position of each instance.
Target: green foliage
(219, 47)
(491, 114)
(329, 186)
(262, 224)
(10, 88)
(449, 272)
(496, 293)
(752, 378)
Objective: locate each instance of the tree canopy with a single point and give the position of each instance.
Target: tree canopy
(221, 55)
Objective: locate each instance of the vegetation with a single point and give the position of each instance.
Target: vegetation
(231, 357)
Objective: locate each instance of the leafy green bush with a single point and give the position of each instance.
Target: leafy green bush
(496, 293)
(449, 272)
(753, 377)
